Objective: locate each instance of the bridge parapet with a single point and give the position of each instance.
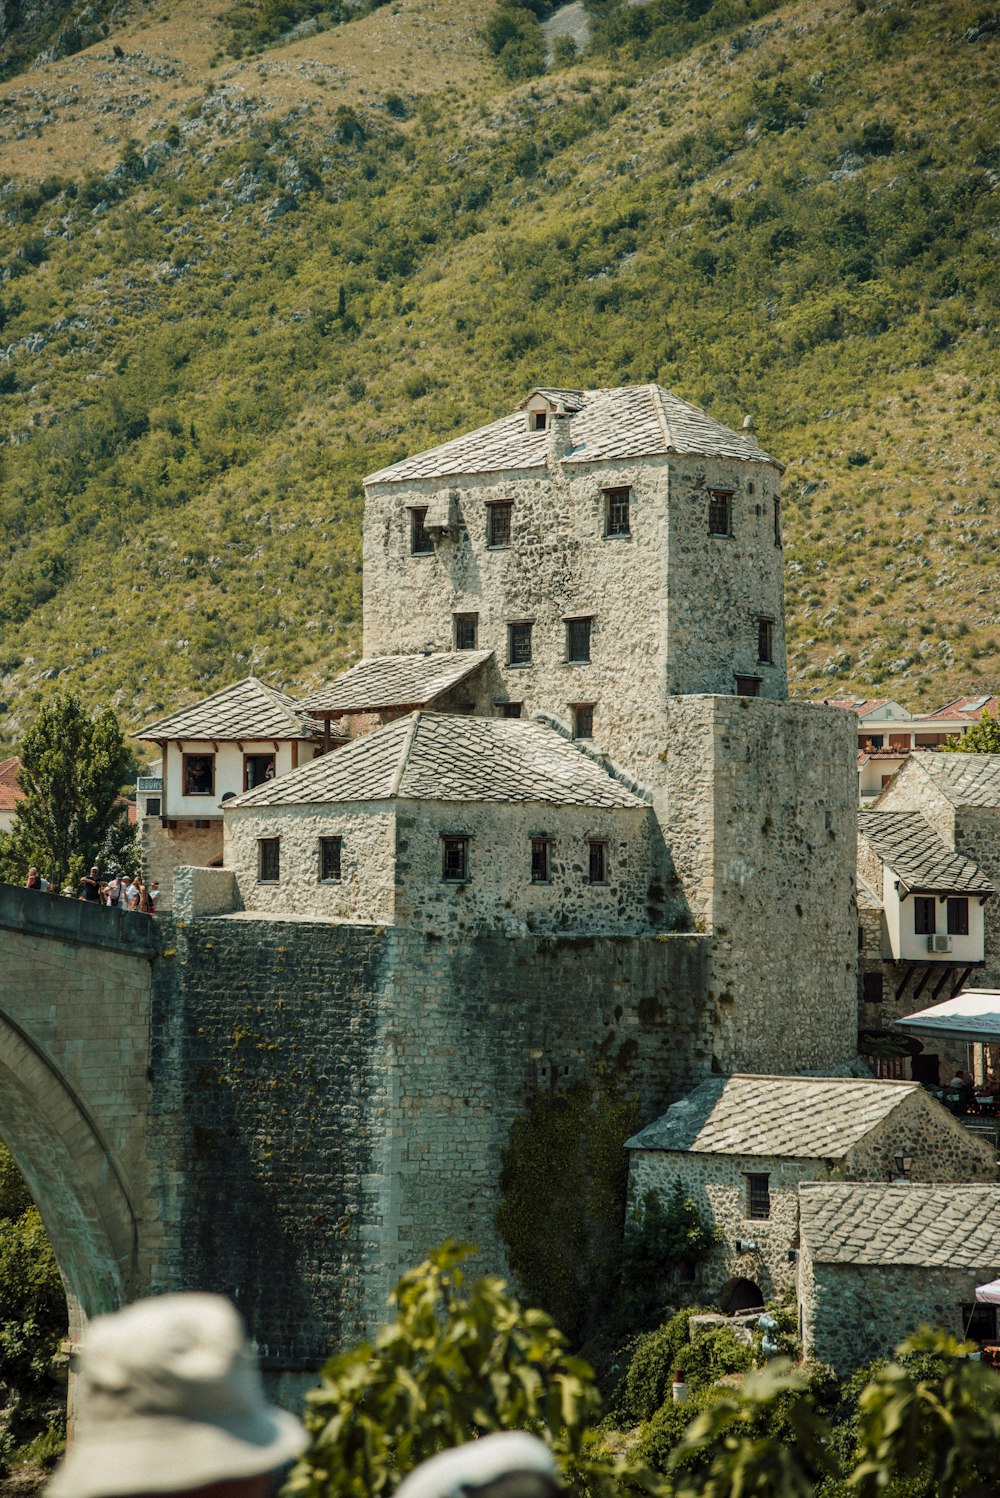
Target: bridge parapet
(79, 921)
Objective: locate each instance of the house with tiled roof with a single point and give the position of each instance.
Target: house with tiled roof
(211, 751)
(10, 792)
(877, 1261)
(451, 824)
(930, 847)
(889, 733)
(742, 1147)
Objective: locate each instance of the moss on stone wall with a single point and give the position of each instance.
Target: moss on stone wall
(561, 1213)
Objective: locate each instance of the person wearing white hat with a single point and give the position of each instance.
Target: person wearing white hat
(510, 1464)
(170, 1400)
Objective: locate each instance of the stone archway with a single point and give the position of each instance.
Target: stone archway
(740, 1295)
(71, 1174)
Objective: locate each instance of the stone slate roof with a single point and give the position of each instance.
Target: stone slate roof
(867, 898)
(965, 779)
(450, 757)
(812, 1118)
(918, 855)
(633, 421)
(932, 1227)
(387, 681)
(248, 709)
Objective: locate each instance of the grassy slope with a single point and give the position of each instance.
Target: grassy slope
(182, 495)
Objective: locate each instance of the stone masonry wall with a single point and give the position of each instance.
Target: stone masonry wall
(366, 889)
(499, 892)
(717, 1183)
(940, 1148)
(720, 586)
(760, 802)
(699, 610)
(854, 1313)
(162, 849)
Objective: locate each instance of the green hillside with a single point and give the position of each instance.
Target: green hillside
(232, 287)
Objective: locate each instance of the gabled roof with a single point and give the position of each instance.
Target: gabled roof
(969, 709)
(919, 856)
(964, 779)
(812, 1118)
(869, 707)
(973, 1014)
(10, 792)
(931, 1227)
(388, 681)
(632, 421)
(247, 710)
(570, 400)
(449, 757)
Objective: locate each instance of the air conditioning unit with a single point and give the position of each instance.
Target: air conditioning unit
(939, 944)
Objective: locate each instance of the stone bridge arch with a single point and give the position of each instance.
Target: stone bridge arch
(77, 1186)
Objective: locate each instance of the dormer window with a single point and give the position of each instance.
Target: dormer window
(538, 421)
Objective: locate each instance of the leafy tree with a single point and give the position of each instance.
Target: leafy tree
(455, 1363)
(663, 1239)
(73, 768)
(982, 738)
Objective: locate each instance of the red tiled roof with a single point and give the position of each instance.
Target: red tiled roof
(10, 792)
(970, 709)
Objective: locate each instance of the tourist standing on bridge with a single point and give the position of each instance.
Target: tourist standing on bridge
(90, 885)
(170, 1400)
(33, 880)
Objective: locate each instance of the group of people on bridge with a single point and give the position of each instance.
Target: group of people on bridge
(116, 889)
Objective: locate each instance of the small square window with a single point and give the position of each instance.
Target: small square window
(153, 806)
(540, 865)
(329, 858)
(617, 519)
(598, 862)
(512, 709)
(583, 720)
(958, 917)
(466, 631)
(519, 644)
(455, 859)
(578, 632)
(924, 915)
(268, 859)
(748, 686)
(758, 1196)
(765, 641)
(420, 536)
(498, 517)
(199, 774)
(537, 421)
(872, 988)
(720, 513)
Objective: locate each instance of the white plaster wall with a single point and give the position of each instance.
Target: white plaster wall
(228, 771)
(366, 889)
(906, 945)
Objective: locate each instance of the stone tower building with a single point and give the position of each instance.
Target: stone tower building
(612, 548)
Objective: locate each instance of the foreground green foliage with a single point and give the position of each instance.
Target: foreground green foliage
(74, 766)
(32, 1323)
(455, 1363)
(980, 738)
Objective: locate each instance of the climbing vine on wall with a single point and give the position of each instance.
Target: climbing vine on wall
(562, 1208)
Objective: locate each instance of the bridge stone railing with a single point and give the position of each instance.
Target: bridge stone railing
(62, 919)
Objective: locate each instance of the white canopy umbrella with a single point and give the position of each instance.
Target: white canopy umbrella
(990, 1294)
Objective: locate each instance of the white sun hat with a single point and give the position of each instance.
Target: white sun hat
(479, 1464)
(169, 1397)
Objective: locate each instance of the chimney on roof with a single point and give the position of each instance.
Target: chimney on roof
(749, 430)
(559, 439)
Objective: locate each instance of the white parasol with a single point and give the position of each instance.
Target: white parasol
(989, 1293)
